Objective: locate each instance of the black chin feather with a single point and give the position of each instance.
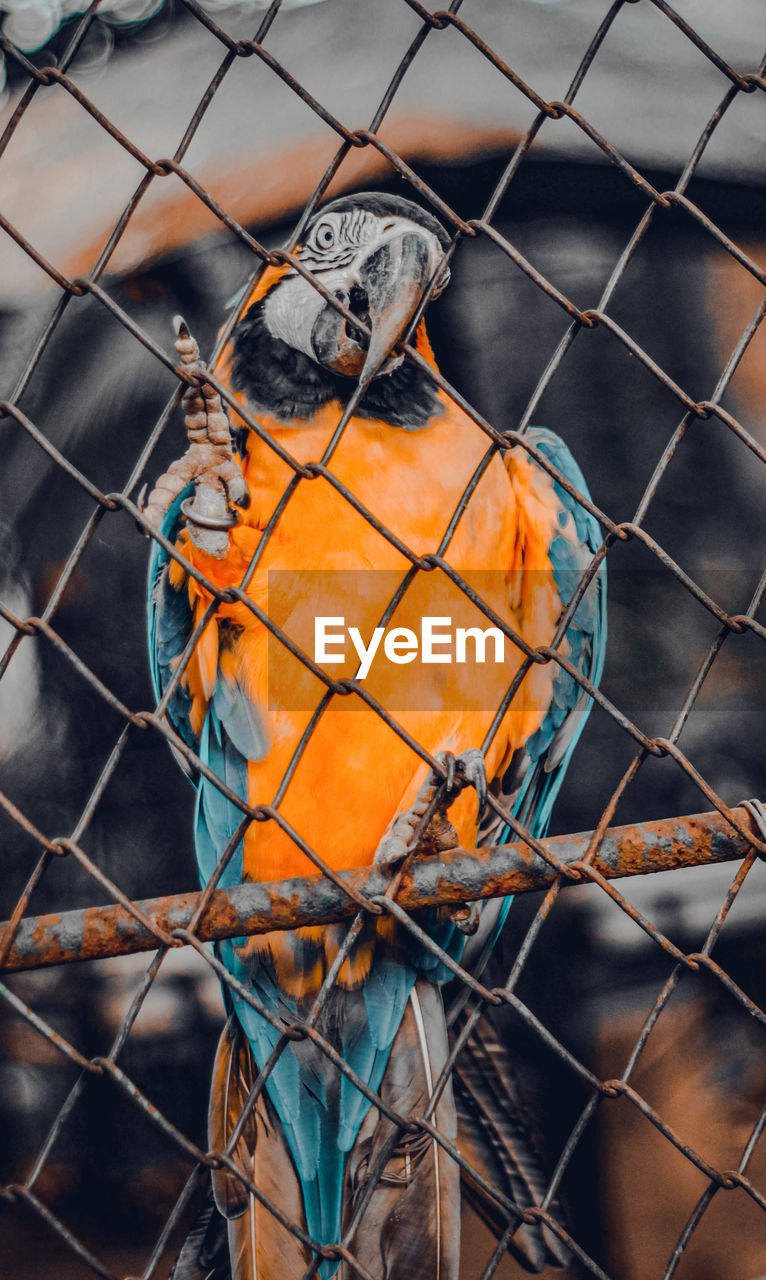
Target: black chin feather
(287, 384)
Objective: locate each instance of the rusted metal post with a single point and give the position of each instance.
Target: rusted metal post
(459, 876)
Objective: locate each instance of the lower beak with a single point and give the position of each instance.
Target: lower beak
(387, 287)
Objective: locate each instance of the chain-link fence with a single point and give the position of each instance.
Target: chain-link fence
(130, 924)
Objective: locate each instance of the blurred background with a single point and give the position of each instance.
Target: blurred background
(96, 393)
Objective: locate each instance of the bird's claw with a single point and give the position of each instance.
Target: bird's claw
(391, 852)
(465, 916)
(208, 463)
(434, 835)
(466, 770)
(447, 759)
(424, 827)
(475, 771)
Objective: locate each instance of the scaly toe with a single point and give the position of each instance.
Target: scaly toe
(391, 852)
(465, 916)
(472, 766)
(447, 760)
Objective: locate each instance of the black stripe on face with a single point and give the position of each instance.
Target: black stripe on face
(349, 231)
(383, 205)
(327, 259)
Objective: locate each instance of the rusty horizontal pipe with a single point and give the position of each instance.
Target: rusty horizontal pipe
(459, 876)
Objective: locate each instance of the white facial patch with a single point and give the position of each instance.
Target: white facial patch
(336, 245)
(292, 308)
(335, 238)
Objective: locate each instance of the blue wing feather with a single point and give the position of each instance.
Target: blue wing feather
(321, 1111)
(536, 773)
(552, 746)
(168, 623)
(320, 1119)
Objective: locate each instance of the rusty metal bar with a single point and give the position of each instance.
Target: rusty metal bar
(458, 876)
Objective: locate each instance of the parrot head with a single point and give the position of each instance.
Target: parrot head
(294, 351)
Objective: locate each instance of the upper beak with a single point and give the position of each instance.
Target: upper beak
(385, 291)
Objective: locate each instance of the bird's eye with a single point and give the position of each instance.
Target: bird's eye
(325, 235)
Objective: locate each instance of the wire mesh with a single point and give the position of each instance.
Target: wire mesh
(615, 532)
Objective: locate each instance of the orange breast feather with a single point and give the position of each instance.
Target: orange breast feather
(356, 774)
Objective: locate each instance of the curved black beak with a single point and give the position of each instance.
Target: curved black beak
(384, 292)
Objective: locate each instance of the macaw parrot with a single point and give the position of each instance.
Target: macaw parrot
(353, 790)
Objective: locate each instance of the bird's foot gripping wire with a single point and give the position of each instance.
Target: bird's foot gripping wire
(425, 828)
(208, 463)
